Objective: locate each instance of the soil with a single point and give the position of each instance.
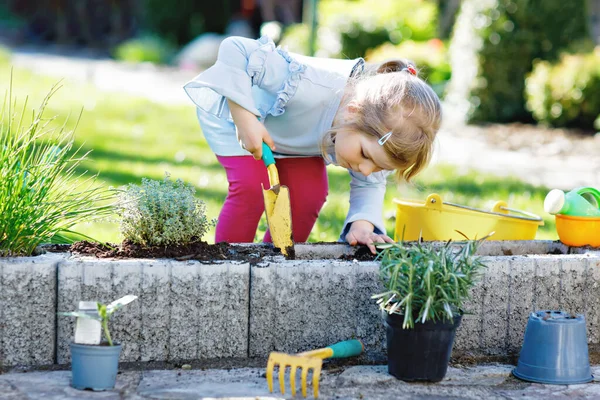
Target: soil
(200, 251)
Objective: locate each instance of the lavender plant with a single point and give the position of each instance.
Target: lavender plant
(162, 213)
(426, 281)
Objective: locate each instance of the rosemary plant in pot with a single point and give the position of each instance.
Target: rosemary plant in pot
(426, 286)
(95, 363)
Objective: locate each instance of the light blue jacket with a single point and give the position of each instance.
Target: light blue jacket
(296, 96)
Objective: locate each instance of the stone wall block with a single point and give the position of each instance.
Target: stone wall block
(302, 305)
(522, 285)
(87, 279)
(592, 300)
(27, 310)
(223, 310)
(184, 298)
(156, 310)
(495, 287)
(126, 323)
(469, 335)
(547, 283)
(573, 284)
(369, 321)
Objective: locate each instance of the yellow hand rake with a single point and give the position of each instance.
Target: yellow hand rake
(308, 360)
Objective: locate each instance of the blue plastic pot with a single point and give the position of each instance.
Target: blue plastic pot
(555, 349)
(94, 367)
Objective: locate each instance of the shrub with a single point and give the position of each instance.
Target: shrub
(430, 57)
(349, 29)
(162, 213)
(41, 194)
(514, 33)
(426, 281)
(145, 49)
(566, 93)
(185, 20)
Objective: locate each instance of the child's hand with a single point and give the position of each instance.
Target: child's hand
(251, 133)
(361, 232)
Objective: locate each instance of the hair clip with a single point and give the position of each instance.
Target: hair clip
(410, 69)
(384, 138)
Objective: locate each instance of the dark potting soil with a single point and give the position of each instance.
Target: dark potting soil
(362, 253)
(200, 251)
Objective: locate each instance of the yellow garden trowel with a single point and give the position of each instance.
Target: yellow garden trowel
(277, 207)
(308, 360)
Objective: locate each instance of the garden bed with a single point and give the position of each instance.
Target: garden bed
(237, 309)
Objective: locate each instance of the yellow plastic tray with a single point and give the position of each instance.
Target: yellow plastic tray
(438, 220)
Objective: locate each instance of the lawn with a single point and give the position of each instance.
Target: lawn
(132, 138)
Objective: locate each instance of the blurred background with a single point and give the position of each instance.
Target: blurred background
(519, 81)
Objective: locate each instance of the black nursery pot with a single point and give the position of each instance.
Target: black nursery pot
(421, 353)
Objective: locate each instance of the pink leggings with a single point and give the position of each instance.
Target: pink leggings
(305, 177)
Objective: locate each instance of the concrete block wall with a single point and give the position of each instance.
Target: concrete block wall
(185, 310)
(28, 310)
(300, 305)
(188, 310)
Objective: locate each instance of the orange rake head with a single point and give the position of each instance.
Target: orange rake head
(283, 360)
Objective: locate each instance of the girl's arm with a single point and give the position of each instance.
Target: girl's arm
(250, 132)
(364, 223)
(362, 232)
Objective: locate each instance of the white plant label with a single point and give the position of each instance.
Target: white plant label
(88, 331)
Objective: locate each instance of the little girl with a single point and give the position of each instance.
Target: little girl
(311, 111)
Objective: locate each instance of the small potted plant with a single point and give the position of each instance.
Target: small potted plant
(426, 287)
(95, 366)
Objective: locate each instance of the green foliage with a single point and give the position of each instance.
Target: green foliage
(566, 93)
(295, 38)
(145, 49)
(162, 213)
(183, 21)
(40, 199)
(430, 58)
(426, 281)
(515, 33)
(4, 54)
(347, 29)
(117, 125)
(104, 314)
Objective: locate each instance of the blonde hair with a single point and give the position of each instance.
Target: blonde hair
(388, 98)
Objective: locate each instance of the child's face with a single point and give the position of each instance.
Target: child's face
(360, 153)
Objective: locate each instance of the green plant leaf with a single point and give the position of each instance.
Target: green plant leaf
(123, 301)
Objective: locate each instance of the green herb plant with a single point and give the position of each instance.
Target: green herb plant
(162, 213)
(426, 281)
(104, 314)
(42, 195)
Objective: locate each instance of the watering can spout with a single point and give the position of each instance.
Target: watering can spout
(581, 202)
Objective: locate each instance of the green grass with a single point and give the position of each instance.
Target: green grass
(132, 138)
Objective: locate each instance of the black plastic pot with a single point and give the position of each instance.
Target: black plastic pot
(421, 353)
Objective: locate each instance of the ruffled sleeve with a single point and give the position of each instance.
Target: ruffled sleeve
(252, 73)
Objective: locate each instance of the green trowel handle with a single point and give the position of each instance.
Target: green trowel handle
(347, 348)
(267, 155)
